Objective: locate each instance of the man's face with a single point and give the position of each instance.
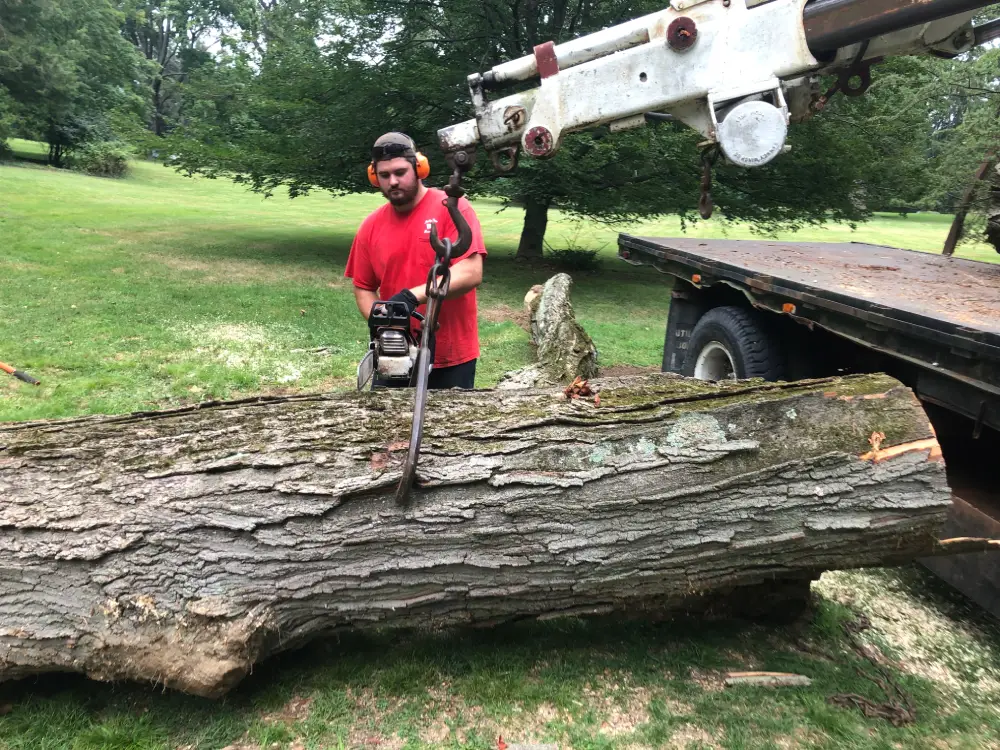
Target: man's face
(398, 180)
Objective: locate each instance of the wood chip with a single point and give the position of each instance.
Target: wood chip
(767, 679)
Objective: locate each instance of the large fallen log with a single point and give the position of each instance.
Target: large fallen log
(183, 546)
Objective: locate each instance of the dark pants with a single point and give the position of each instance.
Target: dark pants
(459, 376)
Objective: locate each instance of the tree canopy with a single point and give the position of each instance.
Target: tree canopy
(301, 100)
(64, 70)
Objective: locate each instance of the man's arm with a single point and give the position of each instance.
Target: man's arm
(365, 300)
(466, 275)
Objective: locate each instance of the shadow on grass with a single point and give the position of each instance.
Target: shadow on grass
(329, 249)
(507, 670)
(493, 667)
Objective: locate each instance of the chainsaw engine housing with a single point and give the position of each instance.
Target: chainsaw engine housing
(392, 350)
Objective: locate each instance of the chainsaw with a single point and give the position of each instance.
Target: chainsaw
(392, 349)
(394, 359)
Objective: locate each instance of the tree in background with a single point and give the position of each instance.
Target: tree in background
(6, 119)
(174, 36)
(64, 70)
(965, 147)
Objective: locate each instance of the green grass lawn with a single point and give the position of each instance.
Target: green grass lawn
(160, 290)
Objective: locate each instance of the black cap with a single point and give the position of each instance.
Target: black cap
(392, 146)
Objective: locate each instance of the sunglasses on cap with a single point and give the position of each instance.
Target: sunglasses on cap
(391, 151)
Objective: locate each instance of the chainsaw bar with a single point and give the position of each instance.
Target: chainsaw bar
(438, 284)
(422, 371)
(366, 369)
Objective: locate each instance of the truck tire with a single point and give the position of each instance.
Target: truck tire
(732, 342)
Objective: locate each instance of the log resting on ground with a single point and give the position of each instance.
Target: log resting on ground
(183, 546)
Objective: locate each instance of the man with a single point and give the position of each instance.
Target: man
(392, 255)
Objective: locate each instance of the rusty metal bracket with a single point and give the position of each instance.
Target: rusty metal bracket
(510, 153)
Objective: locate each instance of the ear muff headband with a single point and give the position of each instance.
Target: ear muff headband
(421, 164)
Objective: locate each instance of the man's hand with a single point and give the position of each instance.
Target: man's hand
(408, 298)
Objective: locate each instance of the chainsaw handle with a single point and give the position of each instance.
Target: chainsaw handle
(26, 377)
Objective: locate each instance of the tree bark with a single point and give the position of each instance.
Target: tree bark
(184, 546)
(563, 349)
(993, 210)
(962, 212)
(158, 121)
(536, 219)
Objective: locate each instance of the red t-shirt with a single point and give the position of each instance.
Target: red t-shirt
(392, 252)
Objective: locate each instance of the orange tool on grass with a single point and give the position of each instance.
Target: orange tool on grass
(18, 374)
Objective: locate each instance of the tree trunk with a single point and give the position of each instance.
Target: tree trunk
(158, 123)
(993, 210)
(536, 219)
(958, 223)
(184, 546)
(55, 155)
(563, 349)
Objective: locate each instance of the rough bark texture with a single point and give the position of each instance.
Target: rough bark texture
(563, 349)
(182, 547)
(993, 210)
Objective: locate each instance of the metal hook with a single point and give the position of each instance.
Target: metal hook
(462, 162)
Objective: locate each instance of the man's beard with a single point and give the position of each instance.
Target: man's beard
(402, 197)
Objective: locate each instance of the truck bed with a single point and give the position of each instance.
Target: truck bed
(957, 299)
(938, 316)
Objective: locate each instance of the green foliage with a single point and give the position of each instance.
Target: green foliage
(64, 67)
(967, 124)
(572, 259)
(174, 37)
(6, 115)
(102, 159)
(573, 255)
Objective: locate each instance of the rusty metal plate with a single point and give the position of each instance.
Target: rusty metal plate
(977, 575)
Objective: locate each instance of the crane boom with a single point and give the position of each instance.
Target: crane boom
(736, 72)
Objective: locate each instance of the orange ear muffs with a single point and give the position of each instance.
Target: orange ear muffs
(423, 167)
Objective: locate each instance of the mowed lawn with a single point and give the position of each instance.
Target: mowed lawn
(161, 290)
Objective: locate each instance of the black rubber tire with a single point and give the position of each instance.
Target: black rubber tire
(753, 349)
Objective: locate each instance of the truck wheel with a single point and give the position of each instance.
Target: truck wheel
(729, 343)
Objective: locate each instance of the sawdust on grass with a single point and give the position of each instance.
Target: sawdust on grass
(690, 736)
(297, 709)
(622, 706)
(952, 654)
